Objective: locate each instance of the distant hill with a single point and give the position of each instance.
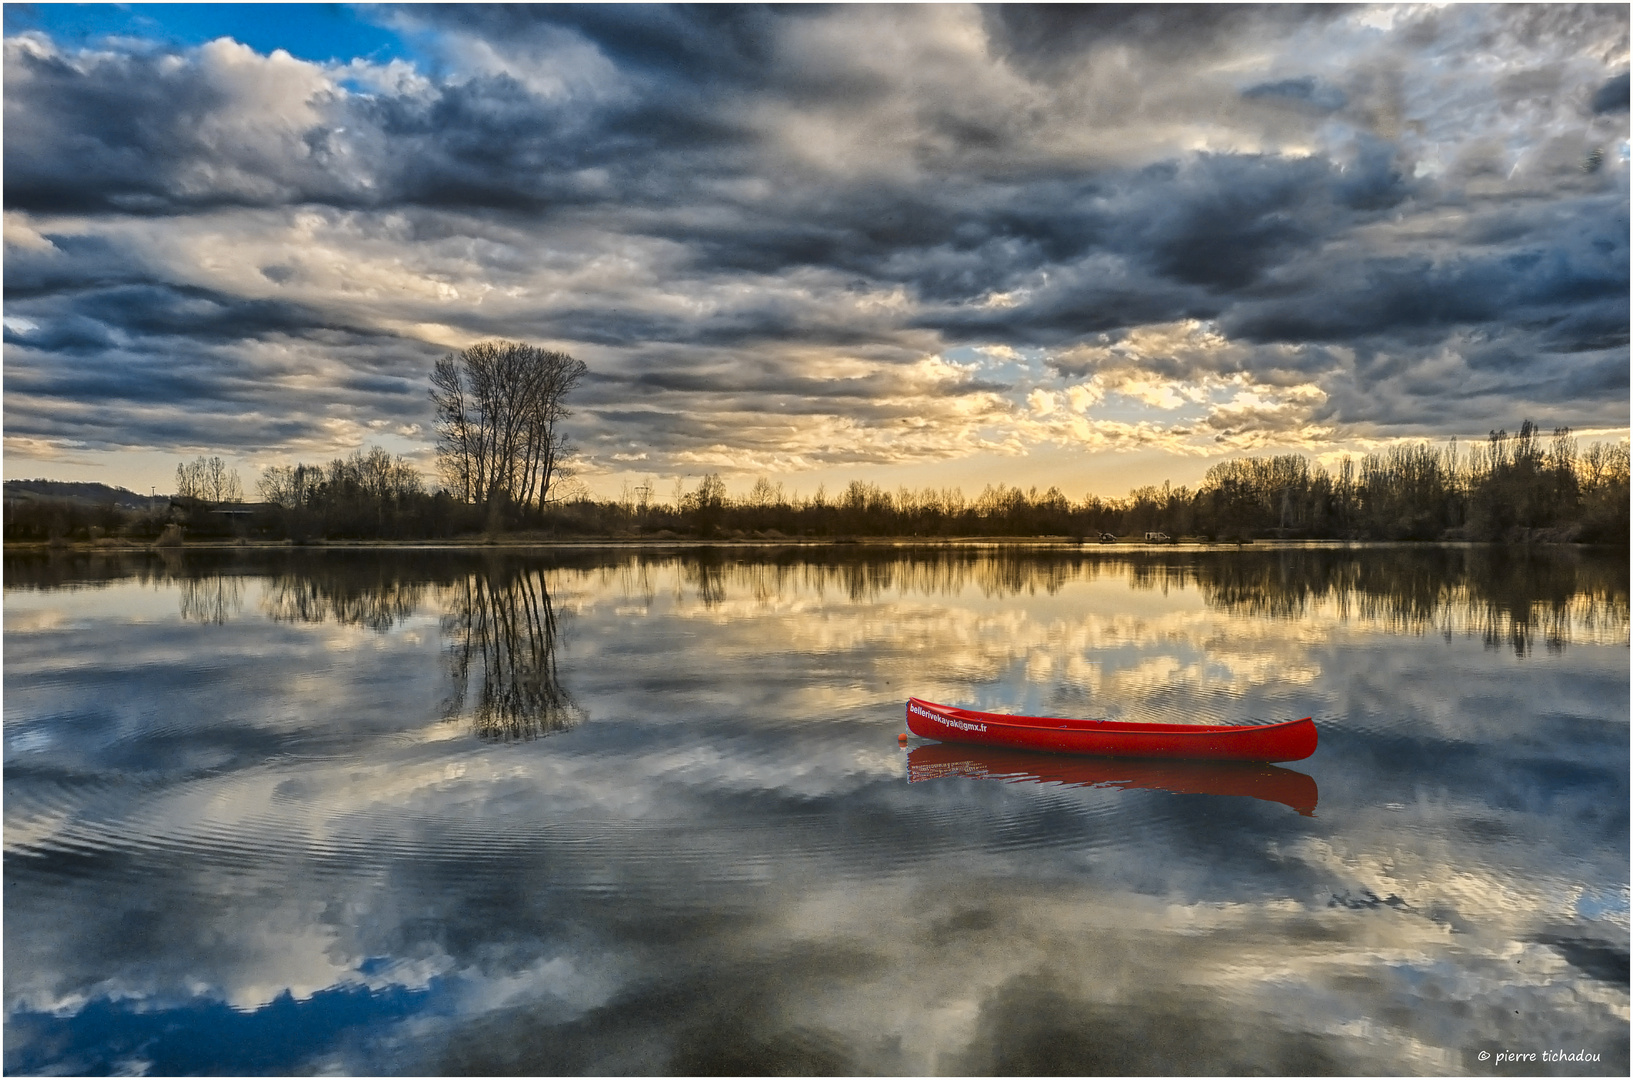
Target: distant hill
(81, 492)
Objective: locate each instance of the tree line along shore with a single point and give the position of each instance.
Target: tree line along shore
(1524, 487)
(503, 454)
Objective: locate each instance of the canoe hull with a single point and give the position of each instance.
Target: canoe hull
(1290, 741)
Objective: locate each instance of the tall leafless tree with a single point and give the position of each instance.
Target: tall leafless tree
(499, 406)
(208, 479)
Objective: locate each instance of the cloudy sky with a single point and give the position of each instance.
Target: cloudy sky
(930, 244)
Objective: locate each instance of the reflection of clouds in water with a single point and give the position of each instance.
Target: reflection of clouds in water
(1074, 644)
(727, 862)
(1312, 595)
(966, 979)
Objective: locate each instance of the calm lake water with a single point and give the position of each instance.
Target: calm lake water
(623, 811)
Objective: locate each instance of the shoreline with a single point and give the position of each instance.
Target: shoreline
(1052, 543)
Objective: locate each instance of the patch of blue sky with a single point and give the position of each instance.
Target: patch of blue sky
(1603, 904)
(997, 359)
(1021, 369)
(1025, 368)
(1132, 410)
(320, 33)
(205, 1035)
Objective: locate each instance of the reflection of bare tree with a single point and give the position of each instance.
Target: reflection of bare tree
(635, 581)
(1522, 596)
(345, 595)
(210, 599)
(502, 620)
(706, 572)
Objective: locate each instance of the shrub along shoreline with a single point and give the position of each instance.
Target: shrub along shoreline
(1516, 489)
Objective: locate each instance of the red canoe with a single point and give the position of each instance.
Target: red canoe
(1289, 741)
(1253, 779)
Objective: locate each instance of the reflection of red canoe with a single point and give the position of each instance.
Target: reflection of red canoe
(1288, 741)
(1253, 779)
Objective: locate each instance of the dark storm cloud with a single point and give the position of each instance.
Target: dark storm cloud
(1612, 97)
(118, 132)
(1548, 281)
(875, 231)
(700, 45)
(1224, 221)
(1213, 220)
(1044, 38)
(1217, 222)
(102, 337)
(201, 315)
(1590, 328)
(1079, 301)
(73, 264)
(151, 366)
(1305, 91)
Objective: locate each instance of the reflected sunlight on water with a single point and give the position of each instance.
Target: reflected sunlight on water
(643, 811)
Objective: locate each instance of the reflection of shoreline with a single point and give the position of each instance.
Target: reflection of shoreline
(1270, 783)
(1517, 599)
(1505, 598)
(502, 620)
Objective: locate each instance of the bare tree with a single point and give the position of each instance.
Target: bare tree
(208, 479)
(373, 477)
(765, 494)
(291, 486)
(499, 405)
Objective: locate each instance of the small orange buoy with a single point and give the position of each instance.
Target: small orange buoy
(902, 738)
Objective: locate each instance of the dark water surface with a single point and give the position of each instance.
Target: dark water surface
(614, 811)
